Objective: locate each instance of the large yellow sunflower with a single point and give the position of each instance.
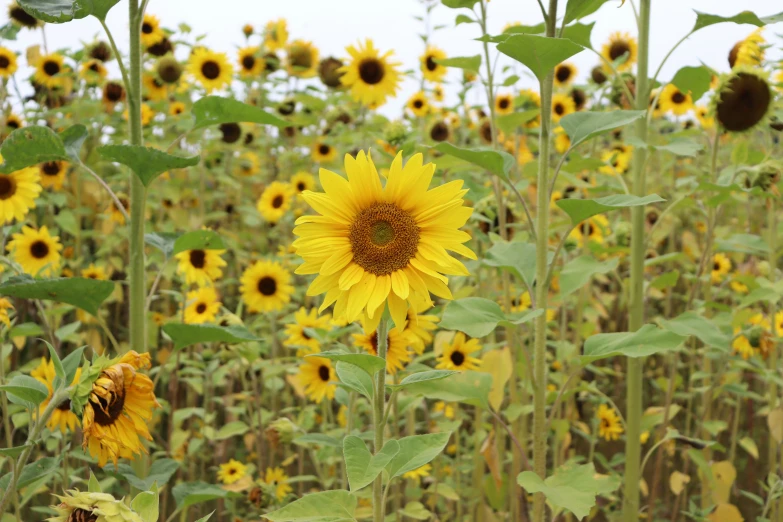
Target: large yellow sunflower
(302, 59)
(49, 69)
(457, 355)
(275, 35)
(275, 201)
(62, 417)
(397, 343)
(119, 410)
(151, 33)
(37, 252)
(318, 378)
(620, 44)
(200, 267)
(370, 77)
(52, 174)
(372, 244)
(212, 70)
(266, 287)
(297, 337)
(202, 305)
(8, 63)
(430, 69)
(18, 191)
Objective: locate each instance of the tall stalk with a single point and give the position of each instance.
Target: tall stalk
(634, 403)
(379, 404)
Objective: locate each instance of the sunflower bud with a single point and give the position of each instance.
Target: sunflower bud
(280, 430)
(247, 30)
(767, 175)
(395, 133)
(169, 70)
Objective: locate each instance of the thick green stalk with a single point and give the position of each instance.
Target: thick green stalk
(772, 387)
(634, 403)
(379, 403)
(541, 290)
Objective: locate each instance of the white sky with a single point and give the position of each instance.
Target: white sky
(333, 24)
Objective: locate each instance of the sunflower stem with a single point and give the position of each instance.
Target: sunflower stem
(378, 503)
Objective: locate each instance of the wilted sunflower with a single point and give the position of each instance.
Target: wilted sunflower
(565, 74)
(212, 70)
(674, 101)
(93, 72)
(49, 69)
(371, 77)
(748, 52)
(100, 50)
(329, 72)
(151, 33)
(8, 63)
(418, 104)
(62, 417)
(154, 88)
(373, 244)
(78, 506)
(231, 471)
(37, 252)
(275, 35)
(397, 343)
(721, 266)
(266, 287)
(562, 105)
(318, 377)
(619, 44)
(200, 266)
(297, 337)
(302, 59)
(250, 62)
(52, 174)
(323, 152)
(457, 355)
(504, 104)
(609, 426)
(302, 181)
(275, 201)
(95, 272)
(277, 478)
(430, 69)
(21, 18)
(119, 410)
(18, 192)
(742, 99)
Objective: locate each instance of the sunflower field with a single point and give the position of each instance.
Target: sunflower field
(233, 288)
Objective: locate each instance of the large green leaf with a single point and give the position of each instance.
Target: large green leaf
(577, 272)
(695, 80)
(580, 34)
(498, 163)
(456, 4)
(580, 209)
(581, 126)
(145, 162)
(509, 123)
(745, 17)
(146, 504)
(515, 256)
(418, 377)
(187, 334)
(744, 243)
(469, 63)
(468, 387)
(57, 11)
(160, 472)
(571, 487)
(371, 364)
(355, 378)
(576, 9)
(84, 293)
(326, 506)
(538, 53)
(360, 465)
(163, 241)
(648, 340)
(73, 138)
(26, 389)
(416, 451)
(478, 317)
(198, 240)
(214, 110)
(32, 472)
(187, 494)
(30, 146)
(691, 323)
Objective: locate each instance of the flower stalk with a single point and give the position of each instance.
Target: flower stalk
(379, 420)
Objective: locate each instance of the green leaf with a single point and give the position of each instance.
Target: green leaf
(232, 429)
(517, 257)
(571, 487)
(214, 110)
(360, 465)
(145, 162)
(162, 241)
(577, 272)
(744, 243)
(355, 378)
(71, 363)
(580, 209)
(93, 486)
(469, 63)
(187, 334)
(581, 126)
(32, 472)
(691, 323)
(497, 162)
(425, 376)
(580, 34)
(57, 11)
(540, 54)
(456, 4)
(508, 123)
(30, 146)
(478, 317)
(468, 387)
(326, 506)
(59, 371)
(205, 517)
(187, 494)
(100, 8)
(146, 505)
(745, 17)
(13, 452)
(159, 473)
(73, 138)
(576, 9)
(695, 80)
(317, 439)
(84, 293)
(198, 240)
(463, 19)
(648, 340)
(416, 451)
(371, 364)
(416, 511)
(26, 389)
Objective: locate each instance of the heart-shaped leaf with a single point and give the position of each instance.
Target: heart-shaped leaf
(145, 162)
(360, 465)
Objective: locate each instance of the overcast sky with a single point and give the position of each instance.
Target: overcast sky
(333, 24)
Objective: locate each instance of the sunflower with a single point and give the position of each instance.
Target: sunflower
(76, 506)
(742, 99)
(266, 287)
(430, 69)
(457, 354)
(276, 35)
(248, 164)
(37, 252)
(595, 229)
(302, 181)
(302, 59)
(420, 328)
(609, 426)
(5, 306)
(440, 131)
(674, 101)
(8, 63)
(250, 62)
(329, 72)
(277, 478)
(706, 120)
(323, 152)
(397, 343)
(757, 339)
(151, 33)
(212, 70)
(562, 105)
(95, 272)
(438, 94)
(231, 471)
(113, 92)
(18, 191)
(154, 88)
(618, 162)
(504, 104)
(371, 77)
(119, 410)
(372, 244)
(93, 72)
(619, 44)
(299, 338)
(750, 51)
(275, 201)
(418, 104)
(21, 18)
(12, 121)
(176, 108)
(523, 302)
(62, 417)
(565, 74)
(721, 266)
(317, 377)
(562, 141)
(418, 473)
(200, 266)
(52, 174)
(48, 71)
(147, 114)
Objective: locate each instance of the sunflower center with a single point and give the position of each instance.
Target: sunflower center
(418, 104)
(457, 358)
(431, 65)
(51, 168)
(210, 70)
(323, 149)
(439, 131)
(383, 238)
(323, 373)
(559, 109)
(605, 423)
(248, 62)
(563, 74)
(4, 62)
(94, 67)
(147, 28)
(114, 92)
(277, 202)
(267, 286)
(231, 132)
(300, 186)
(65, 405)
(678, 97)
(617, 49)
(201, 308)
(21, 16)
(82, 515)
(51, 68)
(39, 249)
(108, 409)
(716, 266)
(371, 71)
(7, 187)
(743, 102)
(503, 103)
(198, 258)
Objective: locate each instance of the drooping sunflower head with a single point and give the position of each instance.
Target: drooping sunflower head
(302, 59)
(275, 201)
(52, 174)
(266, 287)
(76, 506)
(598, 75)
(440, 131)
(621, 46)
(418, 104)
(459, 354)
(22, 18)
(329, 71)
(565, 74)
(276, 35)
(430, 68)
(250, 61)
(169, 70)
(373, 244)
(370, 76)
(750, 51)
(50, 71)
(562, 105)
(200, 266)
(212, 70)
(302, 181)
(151, 32)
(675, 101)
(742, 100)
(161, 48)
(318, 378)
(100, 50)
(36, 251)
(8, 63)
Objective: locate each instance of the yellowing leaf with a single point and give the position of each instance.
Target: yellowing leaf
(726, 513)
(678, 481)
(775, 423)
(724, 474)
(497, 363)
(489, 451)
(749, 445)
(643, 487)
